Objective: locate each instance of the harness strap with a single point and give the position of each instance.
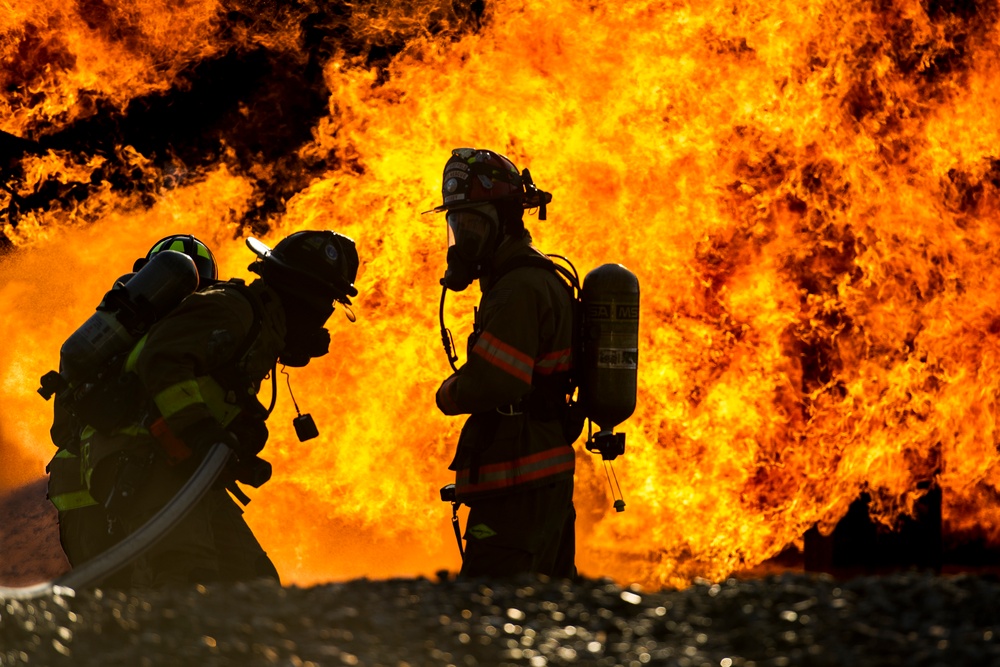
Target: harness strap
(546, 400)
(233, 376)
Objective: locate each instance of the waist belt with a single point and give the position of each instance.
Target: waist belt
(537, 405)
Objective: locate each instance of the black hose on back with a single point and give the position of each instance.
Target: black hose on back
(446, 337)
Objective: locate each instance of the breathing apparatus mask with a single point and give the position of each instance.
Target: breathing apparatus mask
(306, 308)
(310, 271)
(305, 336)
(473, 236)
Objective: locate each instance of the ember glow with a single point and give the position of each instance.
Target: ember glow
(808, 193)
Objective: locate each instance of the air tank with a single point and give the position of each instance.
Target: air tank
(126, 313)
(609, 373)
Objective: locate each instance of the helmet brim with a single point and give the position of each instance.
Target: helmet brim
(455, 206)
(258, 247)
(527, 201)
(449, 207)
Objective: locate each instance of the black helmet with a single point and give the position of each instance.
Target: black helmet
(204, 260)
(318, 266)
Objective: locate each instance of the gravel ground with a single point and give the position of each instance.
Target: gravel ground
(782, 620)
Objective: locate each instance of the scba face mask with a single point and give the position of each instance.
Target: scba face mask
(306, 338)
(473, 235)
(302, 346)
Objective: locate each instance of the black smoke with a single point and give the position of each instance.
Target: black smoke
(248, 105)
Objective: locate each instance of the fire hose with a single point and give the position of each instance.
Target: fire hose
(141, 540)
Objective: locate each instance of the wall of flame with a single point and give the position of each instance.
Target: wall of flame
(807, 191)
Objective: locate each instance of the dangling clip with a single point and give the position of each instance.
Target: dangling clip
(305, 427)
(609, 445)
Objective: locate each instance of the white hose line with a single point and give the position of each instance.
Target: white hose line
(138, 542)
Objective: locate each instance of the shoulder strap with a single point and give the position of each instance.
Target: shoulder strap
(541, 262)
(234, 372)
(258, 315)
(547, 400)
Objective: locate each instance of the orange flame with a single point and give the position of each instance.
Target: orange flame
(807, 195)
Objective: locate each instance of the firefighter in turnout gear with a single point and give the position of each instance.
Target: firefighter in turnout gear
(198, 370)
(83, 522)
(514, 461)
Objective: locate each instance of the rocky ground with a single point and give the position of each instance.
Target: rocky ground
(779, 619)
(789, 619)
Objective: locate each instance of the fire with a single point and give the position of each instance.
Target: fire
(808, 196)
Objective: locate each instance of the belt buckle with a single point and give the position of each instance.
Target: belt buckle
(508, 410)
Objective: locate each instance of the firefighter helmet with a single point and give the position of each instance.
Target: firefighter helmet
(204, 260)
(475, 176)
(318, 266)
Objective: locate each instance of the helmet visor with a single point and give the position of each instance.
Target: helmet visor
(472, 231)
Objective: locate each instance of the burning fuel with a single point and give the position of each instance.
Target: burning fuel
(808, 195)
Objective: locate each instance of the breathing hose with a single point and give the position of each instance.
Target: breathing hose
(138, 542)
(446, 339)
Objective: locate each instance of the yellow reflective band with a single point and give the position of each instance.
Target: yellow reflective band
(202, 251)
(177, 245)
(216, 400)
(173, 399)
(72, 501)
(157, 248)
(65, 454)
(133, 356)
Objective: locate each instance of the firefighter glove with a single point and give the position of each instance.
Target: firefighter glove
(206, 432)
(251, 432)
(252, 470)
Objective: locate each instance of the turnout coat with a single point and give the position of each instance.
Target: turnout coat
(513, 383)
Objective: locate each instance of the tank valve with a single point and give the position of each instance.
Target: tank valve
(608, 444)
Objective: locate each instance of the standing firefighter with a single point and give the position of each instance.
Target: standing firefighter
(196, 375)
(83, 522)
(514, 461)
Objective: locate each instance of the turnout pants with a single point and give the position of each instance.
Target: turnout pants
(212, 543)
(530, 531)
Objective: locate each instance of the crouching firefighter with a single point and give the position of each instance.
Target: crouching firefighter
(83, 522)
(196, 374)
(514, 461)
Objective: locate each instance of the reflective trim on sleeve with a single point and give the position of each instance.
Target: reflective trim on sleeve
(505, 357)
(555, 362)
(73, 500)
(173, 399)
(216, 400)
